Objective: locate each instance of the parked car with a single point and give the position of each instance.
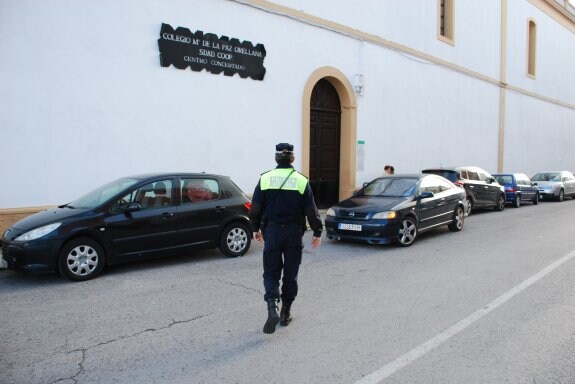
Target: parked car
(555, 185)
(132, 218)
(482, 190)
(396, 208)
(518, 188)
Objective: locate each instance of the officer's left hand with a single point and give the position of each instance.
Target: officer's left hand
(258, 236)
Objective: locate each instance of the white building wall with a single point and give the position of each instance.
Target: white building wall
(414, 24)
(539, 129)
(84, 99)
(416, 115)
(555, 53)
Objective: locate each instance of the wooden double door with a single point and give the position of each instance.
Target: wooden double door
(325, 129)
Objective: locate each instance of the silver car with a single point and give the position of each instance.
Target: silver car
(555, 185)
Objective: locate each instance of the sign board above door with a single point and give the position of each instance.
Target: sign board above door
(182, 49)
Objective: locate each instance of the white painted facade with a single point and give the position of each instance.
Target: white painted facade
(84, 99)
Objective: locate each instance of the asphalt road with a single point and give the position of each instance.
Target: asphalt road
(493, 303)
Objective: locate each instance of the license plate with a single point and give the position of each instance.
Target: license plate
(349, 227)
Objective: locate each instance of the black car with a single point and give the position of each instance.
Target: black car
(132, 218)
(396, 208)
(482, 189)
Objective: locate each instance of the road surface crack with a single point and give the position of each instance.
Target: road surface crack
(84, 351)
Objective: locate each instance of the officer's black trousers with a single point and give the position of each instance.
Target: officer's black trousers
(282, 249)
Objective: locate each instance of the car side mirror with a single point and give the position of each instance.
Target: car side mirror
(133, 207)
(491, 180)
(532, 183)
(424, 195)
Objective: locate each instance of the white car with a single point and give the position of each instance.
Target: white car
(555, 185)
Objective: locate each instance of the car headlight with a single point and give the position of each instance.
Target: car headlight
(330, 212)
(385, 215)
(37, 232)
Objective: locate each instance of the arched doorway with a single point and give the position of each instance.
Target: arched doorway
(348, 126)
(325, 136)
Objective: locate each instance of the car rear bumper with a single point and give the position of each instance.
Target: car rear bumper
(510, 197)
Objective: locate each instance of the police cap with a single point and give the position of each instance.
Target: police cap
(284, 147)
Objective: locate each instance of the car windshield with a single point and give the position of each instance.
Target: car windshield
(555, 176)
(390, 187)
(102, 194)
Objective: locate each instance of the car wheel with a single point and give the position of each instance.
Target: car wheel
(407, 232)
(457, 223)
(500, 203)
(561, 196)
(81, 259)
(517, 201)
(235, 240)
(469, 205)
(536, 199)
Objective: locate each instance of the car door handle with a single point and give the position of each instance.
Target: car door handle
(165, 215)
(221, 207)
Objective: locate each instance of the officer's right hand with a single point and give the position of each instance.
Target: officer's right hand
(258, 236)
(315, 242)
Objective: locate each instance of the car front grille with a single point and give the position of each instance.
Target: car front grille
(352, 215)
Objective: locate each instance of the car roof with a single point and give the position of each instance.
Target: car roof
(173, 174)
(403, 176)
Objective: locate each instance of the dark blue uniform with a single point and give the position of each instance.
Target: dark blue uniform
(281, 203)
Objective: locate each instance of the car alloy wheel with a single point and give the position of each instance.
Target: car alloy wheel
(536, 199)
(469, 205)
(500, 203)
(458, 219)
(81, 259)
(561, 196)
(407, 232)
(235, 240)
(517, 201)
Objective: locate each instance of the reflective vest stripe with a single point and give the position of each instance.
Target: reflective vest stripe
(275, 178)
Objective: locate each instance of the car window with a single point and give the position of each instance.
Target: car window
(463, 174)
(152, 195)
(195, 190)
(472, 175)
(505, 179)
(483, 176)
(434, 185)
(522, 179)
(390, 187)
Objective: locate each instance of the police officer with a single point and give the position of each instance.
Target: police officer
(281, 202)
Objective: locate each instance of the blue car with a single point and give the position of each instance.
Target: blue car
(518, 188)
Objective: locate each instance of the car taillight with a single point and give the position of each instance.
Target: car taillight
(458, 183)
(248, 205)
(510, 189)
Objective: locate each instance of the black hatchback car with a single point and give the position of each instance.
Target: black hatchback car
(396, 208)
(482, 189)
(132, 218)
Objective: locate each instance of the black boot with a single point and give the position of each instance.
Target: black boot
(285, 316)
(273, 316)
